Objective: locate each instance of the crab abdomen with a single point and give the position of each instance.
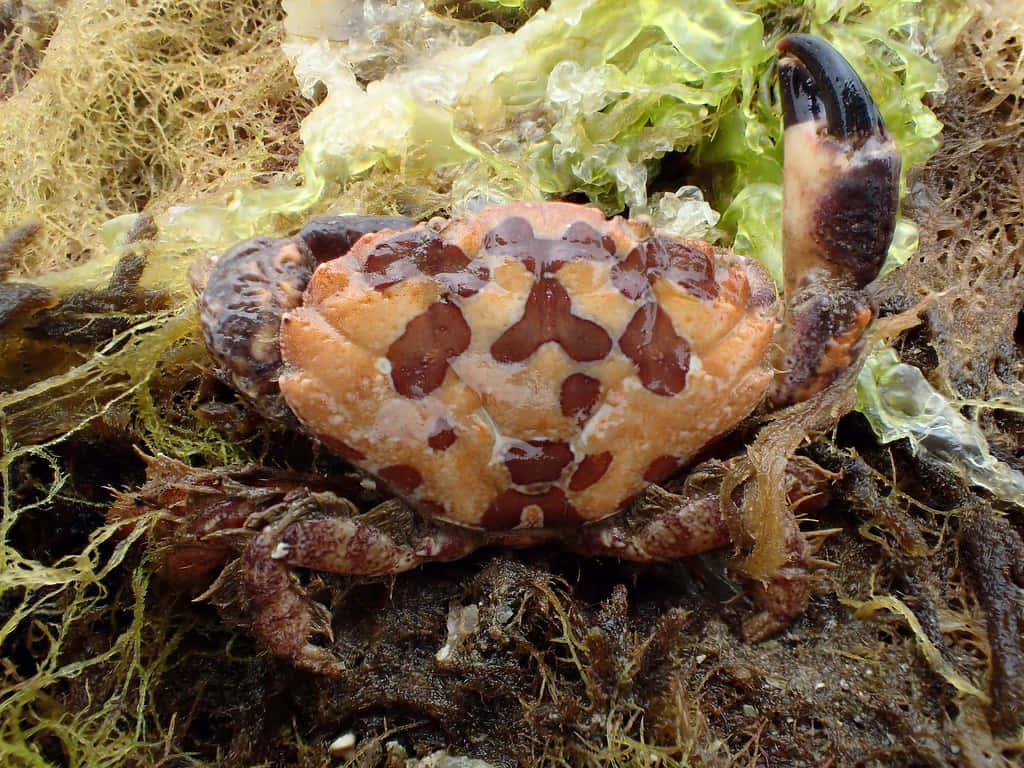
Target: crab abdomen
(534, 366)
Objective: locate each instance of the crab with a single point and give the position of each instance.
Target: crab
(531, 373)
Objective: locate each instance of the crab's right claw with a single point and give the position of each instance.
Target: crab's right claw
(245, 292)
(840, 197)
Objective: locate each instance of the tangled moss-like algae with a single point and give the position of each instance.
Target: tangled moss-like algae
(138, 106)
(910, 654)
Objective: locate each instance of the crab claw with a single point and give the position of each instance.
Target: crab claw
(245, 292)
(840, 196)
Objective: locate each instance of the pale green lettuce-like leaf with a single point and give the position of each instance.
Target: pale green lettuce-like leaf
(900, 403)
(754, 219)
(585, 97)
(683, 212)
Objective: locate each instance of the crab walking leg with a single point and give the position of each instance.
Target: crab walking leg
(325, 533)
(784, 594)
(684, 526)
(665, 526)
(329, 237)
(840, 195)
(660, 526)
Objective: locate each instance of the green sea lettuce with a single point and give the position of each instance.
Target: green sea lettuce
(900, 403)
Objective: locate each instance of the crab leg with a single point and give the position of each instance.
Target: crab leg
(840, 195)
(323, 532)
(665, 526)
(329, 237)
(661, 526)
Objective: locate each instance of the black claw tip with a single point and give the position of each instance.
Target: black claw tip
(800, 99)
(816, 77)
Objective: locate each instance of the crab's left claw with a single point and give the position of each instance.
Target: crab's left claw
(840, 197)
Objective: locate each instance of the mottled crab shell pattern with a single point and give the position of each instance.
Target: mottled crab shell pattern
(533, 366)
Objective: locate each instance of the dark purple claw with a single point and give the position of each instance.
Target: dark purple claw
(249, 289)
(329, 237)
(840, 198)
